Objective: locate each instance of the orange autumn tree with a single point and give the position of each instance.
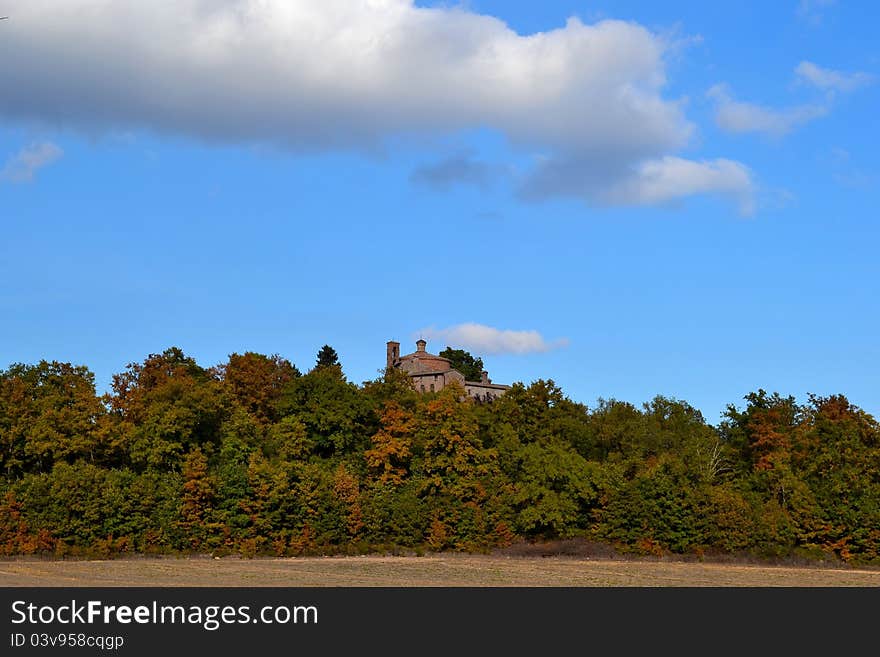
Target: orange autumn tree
(763, 433)
(255, 381)
(197, 503)
(16, 537)
(388, 458)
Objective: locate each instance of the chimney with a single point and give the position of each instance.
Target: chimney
(484, 377)
(420, 345)
(392, 353)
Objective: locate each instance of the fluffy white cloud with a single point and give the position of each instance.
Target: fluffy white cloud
(23, 166)
(488, 340)
(738, 116)
(348, 74)
(830, 80)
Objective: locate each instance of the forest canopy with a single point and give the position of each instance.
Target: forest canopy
(253, 457)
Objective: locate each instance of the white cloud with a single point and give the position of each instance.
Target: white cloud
(830, 80)
(349, 74)
(483, 339)
(737, 116)
(23, 166)
(672, 178)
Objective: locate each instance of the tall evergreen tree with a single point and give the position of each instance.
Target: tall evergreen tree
(327, 357)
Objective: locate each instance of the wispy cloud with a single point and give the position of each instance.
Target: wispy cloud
(673, 178)
(740, 117)
(23, 166)
(813, 11)
(488, 340)
(847, 174)
(828, 79)
(459, 169)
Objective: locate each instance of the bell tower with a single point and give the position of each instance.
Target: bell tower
(392, 353)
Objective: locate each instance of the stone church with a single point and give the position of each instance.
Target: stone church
(430, 373)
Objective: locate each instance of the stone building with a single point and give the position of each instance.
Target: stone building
(431, 373)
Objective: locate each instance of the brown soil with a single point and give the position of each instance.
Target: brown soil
(433, 570)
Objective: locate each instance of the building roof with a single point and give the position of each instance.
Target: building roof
(424, 355)
(428, 360)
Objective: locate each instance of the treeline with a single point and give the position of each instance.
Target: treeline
(253, 457)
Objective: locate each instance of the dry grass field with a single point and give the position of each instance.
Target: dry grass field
(434, 570)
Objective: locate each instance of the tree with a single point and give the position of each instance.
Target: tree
(197, 500)
(554, 490)
(289, 440)
(15, 535)
(327, 357)
(255, 382)
(541, 411)
(455, 470)
(48, 412)
(836, 453)
(447, 434)
(615, 430)
(388, 458)
(337, 417)
(346, 491)
(762, 433)
(165, 407)
(656, 510)
(461, 360)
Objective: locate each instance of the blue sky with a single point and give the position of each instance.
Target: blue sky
(671, 198)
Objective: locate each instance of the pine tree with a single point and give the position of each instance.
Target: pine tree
(327, 357)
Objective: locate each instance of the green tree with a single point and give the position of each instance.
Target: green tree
(337, 416)
(164, 407)
(615, 430)
(288, 440)
(554, 489)
(836, 454)
(655, 511)
(461, 360)
(455, 471)
(48, 412)
(327, 357)
(446, 434)
(241, 438)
